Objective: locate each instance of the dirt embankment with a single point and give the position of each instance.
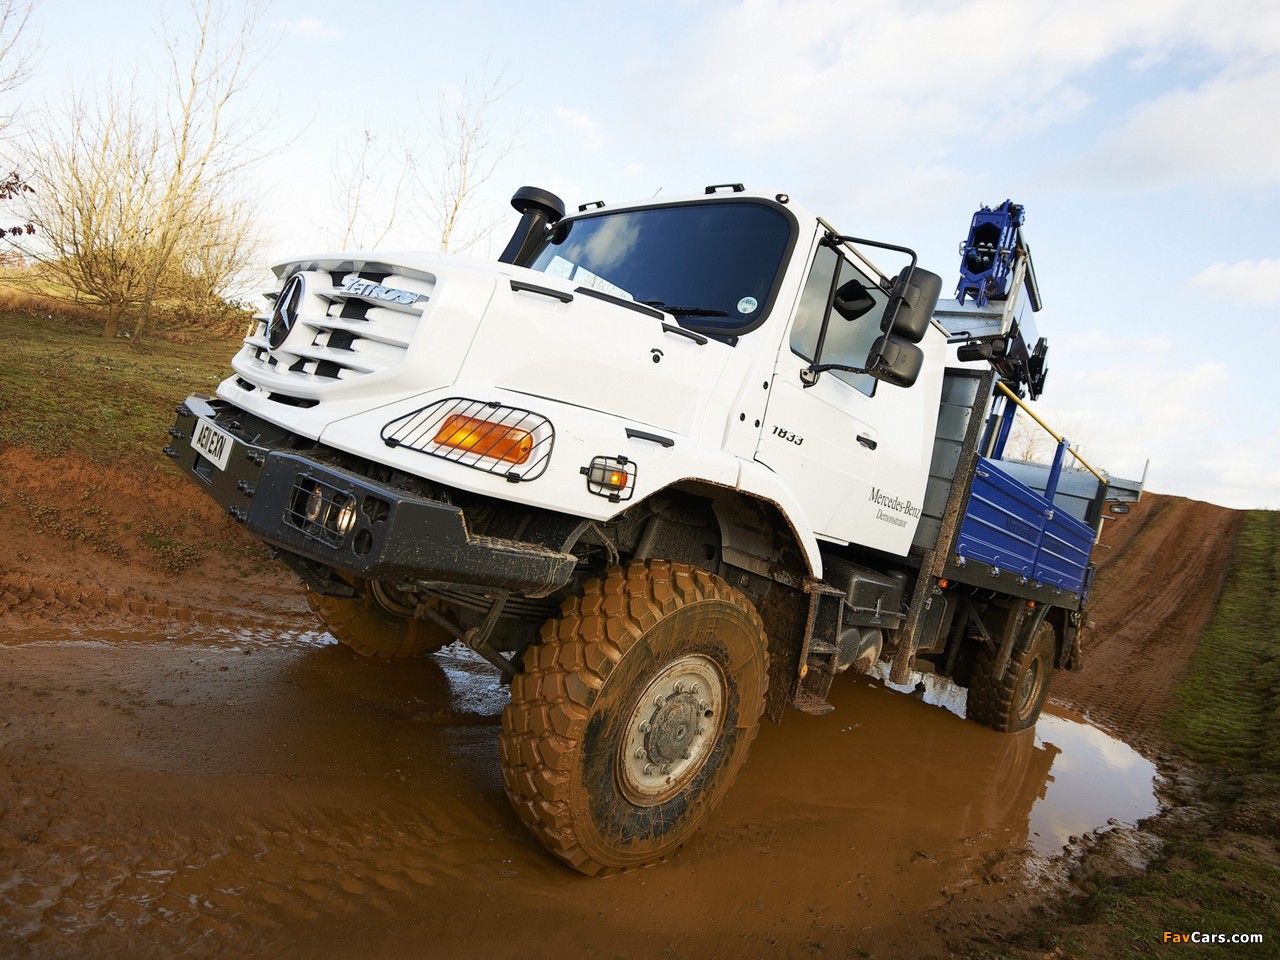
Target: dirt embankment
(1160, 571)
(83, 545)
(184, 770)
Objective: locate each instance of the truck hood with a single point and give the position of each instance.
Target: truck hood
(548, 338)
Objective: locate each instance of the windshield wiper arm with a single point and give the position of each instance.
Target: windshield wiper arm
(684, 311)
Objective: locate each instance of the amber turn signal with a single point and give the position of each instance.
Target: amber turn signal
(485, 438)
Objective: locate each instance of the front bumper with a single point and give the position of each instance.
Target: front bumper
(392, 535)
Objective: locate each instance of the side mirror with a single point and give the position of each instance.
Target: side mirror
(912, 299)
(895, 361)
(853, 300)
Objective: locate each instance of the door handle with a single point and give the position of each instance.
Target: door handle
(867, 441)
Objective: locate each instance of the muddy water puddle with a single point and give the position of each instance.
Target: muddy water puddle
(235, 797)
(1094, 781)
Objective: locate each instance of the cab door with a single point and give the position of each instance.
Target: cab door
(825, 440)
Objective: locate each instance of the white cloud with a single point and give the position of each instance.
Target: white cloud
(924, 68)
(1220, 132)
(905, 84)
(1255, 282)
(588, 129)
(309, 27)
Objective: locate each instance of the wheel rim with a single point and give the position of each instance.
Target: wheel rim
(1029, 690)
(671, 731)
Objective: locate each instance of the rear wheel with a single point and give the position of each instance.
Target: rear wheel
(379, 623)
(634, 714)
(1012, 702)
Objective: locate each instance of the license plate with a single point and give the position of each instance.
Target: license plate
(212, 443)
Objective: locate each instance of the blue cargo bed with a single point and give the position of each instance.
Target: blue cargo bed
(1011, 527)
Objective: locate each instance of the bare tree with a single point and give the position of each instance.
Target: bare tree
(204, 157)
(468, 151)
(97, 183)
(15, 60)
(1029, 441)
(369, 186)
(14, 67)
(385, 178)
(137, 203)
(211, 261)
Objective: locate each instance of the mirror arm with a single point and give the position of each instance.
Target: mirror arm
(894, 301)
(809, 375)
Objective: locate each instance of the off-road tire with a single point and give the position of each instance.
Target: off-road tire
(372, 628)
(1012, 702)
(604, 670)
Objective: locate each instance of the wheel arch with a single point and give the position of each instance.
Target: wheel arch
(763, 553)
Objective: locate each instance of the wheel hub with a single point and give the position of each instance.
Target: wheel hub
(672, 730)
(1029, 689)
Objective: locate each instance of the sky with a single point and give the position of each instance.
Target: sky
(1140, 136)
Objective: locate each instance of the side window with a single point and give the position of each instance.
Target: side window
(847, 342)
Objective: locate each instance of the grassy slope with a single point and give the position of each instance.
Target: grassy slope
(64, 389)
(1222, 877)
(1228, 718)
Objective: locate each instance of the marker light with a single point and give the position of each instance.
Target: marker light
(485, 438)
(612, 477)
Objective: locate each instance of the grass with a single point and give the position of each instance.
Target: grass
(63, 388)
(1224, 877)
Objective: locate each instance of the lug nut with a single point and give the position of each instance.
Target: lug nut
(693, 688)
(704, 706)
(640, 754)
(648, 769)
(658, 701)
(646, 727)
(666, 769)
(679, 687)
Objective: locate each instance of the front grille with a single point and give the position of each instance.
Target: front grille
(351, 320)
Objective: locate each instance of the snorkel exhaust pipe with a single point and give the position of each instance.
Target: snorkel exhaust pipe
(539, 210)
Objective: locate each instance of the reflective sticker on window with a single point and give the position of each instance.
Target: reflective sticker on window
(747, 305)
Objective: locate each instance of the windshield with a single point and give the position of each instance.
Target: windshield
(713, 266)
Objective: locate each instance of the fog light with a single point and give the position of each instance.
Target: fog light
(315, 504)
(346, 517)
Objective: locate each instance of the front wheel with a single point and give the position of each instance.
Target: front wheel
(1012, 702)
(634, 714)
(378, 623)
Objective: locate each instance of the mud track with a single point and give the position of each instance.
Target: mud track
(187, 766)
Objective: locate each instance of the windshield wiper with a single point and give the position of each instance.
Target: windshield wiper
(684, 311)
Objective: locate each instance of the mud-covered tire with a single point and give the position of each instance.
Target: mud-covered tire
(1012, 702)
(372, 626)
(659, 659)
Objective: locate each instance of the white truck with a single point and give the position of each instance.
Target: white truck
(670, 467)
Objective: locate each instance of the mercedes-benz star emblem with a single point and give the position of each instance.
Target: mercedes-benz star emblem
(285, 313)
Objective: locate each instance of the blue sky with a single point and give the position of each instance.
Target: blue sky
(1139, 134)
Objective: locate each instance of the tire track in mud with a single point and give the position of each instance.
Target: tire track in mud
(49, 600)
(1162, 569)
(206, 890)
(97, 545)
